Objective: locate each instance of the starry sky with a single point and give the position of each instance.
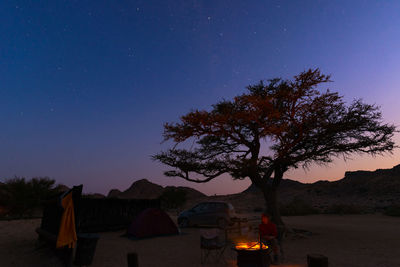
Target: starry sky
(85, 86)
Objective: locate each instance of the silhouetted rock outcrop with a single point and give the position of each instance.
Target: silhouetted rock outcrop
(144, 189)
(114, 193)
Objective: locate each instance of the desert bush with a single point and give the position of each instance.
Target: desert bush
(393, 210)
(173, 198)
(343, 209)
(3, 194)
(20, 196)
(297, 207)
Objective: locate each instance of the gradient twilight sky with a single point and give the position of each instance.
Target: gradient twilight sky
(85, 86)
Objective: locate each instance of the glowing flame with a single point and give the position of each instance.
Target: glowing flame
(250, 246)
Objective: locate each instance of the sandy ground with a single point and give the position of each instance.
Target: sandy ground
(359, 240)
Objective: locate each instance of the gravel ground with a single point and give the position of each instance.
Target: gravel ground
(348, 241)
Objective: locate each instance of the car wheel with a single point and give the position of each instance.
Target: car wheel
(184, 222)
(222, 223)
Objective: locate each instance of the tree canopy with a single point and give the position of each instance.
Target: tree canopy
(274, 126)
(299, 124)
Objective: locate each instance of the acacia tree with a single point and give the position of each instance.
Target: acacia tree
(274, 127)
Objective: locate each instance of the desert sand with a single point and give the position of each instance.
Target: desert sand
(348, 241)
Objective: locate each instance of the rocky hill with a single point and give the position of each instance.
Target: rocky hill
(145, 189)
(190, 192)
(142, 189)
(114, 193)
(368, 190)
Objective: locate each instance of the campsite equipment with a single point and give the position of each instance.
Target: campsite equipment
(111, 214)
(52, 220)
(152, 222)
(85, 249)
(212, 244)
(91, 215)
(67, 232)
(317, 260)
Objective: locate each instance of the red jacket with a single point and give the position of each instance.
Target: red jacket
(268, 229)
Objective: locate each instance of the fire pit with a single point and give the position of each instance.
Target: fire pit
(252, 254)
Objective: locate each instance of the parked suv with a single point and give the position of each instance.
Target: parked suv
(207, 213)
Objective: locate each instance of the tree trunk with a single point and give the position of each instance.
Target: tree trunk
(272, 208)
(271, 202)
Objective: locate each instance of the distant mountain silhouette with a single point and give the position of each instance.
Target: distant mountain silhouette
(144, 189)
(370, 189)
(113, 193)
(287, 183)
(190, 192)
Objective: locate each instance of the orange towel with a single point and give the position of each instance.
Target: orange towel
(67, 232)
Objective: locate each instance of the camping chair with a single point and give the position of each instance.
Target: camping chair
(212, 244)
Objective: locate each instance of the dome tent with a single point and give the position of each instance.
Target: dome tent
(152, 222)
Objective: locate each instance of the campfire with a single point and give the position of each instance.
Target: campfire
(252, 254)
(250, 246)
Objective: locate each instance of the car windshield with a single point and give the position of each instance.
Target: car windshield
(199, 208)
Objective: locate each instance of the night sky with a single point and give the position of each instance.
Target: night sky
(85, 86)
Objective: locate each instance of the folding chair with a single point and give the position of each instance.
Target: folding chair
(212, 245)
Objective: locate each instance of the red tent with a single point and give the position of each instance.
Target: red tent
(152, 222)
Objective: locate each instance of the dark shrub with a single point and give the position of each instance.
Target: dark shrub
(392, 211)
(297, 207)
(20, 197)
